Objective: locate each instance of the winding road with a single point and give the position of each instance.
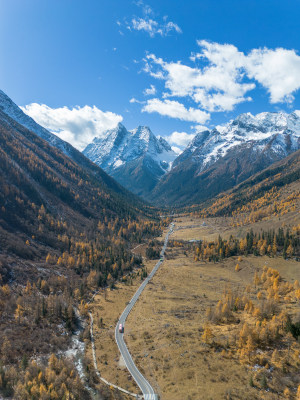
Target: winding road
(144, 385)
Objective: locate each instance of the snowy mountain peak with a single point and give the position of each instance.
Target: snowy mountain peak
(279, 131)
(119, 146)
(143, 132)
(266, 122)
(120, 150)
(113, 133)
(164, 143)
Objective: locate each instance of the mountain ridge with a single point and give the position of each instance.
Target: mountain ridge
(11, 109)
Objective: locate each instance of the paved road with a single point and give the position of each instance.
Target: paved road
(144, 385)
(96, 364)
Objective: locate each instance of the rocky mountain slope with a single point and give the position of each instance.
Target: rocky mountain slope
(12, 110)
(137, 159)
(217, 160)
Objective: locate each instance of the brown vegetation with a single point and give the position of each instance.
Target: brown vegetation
(186, 339)
(54, 381)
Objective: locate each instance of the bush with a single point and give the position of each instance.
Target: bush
(293, 328)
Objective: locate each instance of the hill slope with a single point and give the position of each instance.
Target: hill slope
(275, 191)
(35, 174)
(65, 230)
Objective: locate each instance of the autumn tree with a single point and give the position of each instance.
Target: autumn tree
(207, 335)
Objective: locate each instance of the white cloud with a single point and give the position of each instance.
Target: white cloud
(172, 26)
(226, 75)
(216, 87)
(153, 27)
(155, 74)
(174, 109)
(150, 91)
(180, 139)
(147, 10)
(148, 24)
(200, 128)
(277, 70)
(78, 125)
(134, 100)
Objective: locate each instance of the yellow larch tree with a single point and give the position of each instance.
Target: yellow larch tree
(207, 335)
(18, 313)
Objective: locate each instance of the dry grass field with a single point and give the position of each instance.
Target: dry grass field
(192, 228)
(164, 330)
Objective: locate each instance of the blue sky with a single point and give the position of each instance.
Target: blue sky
(173, 65)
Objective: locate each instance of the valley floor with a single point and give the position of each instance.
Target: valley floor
(164, 331)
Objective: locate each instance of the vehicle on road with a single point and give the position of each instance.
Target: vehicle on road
(144, 385)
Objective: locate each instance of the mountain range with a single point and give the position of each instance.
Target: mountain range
(215, 160)
(218, 159)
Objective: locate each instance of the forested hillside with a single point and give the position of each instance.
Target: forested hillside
(65, 231)
(274, 191)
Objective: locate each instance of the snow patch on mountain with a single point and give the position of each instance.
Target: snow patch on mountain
(279, 131)
(120, 146)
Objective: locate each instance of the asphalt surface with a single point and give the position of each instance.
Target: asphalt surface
(144, 385)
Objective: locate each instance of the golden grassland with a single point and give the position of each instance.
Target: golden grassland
(164, 331)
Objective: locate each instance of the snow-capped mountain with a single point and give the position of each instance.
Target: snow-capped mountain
(214, 161)
(280, 130)
(217, 159)
(137, 158)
